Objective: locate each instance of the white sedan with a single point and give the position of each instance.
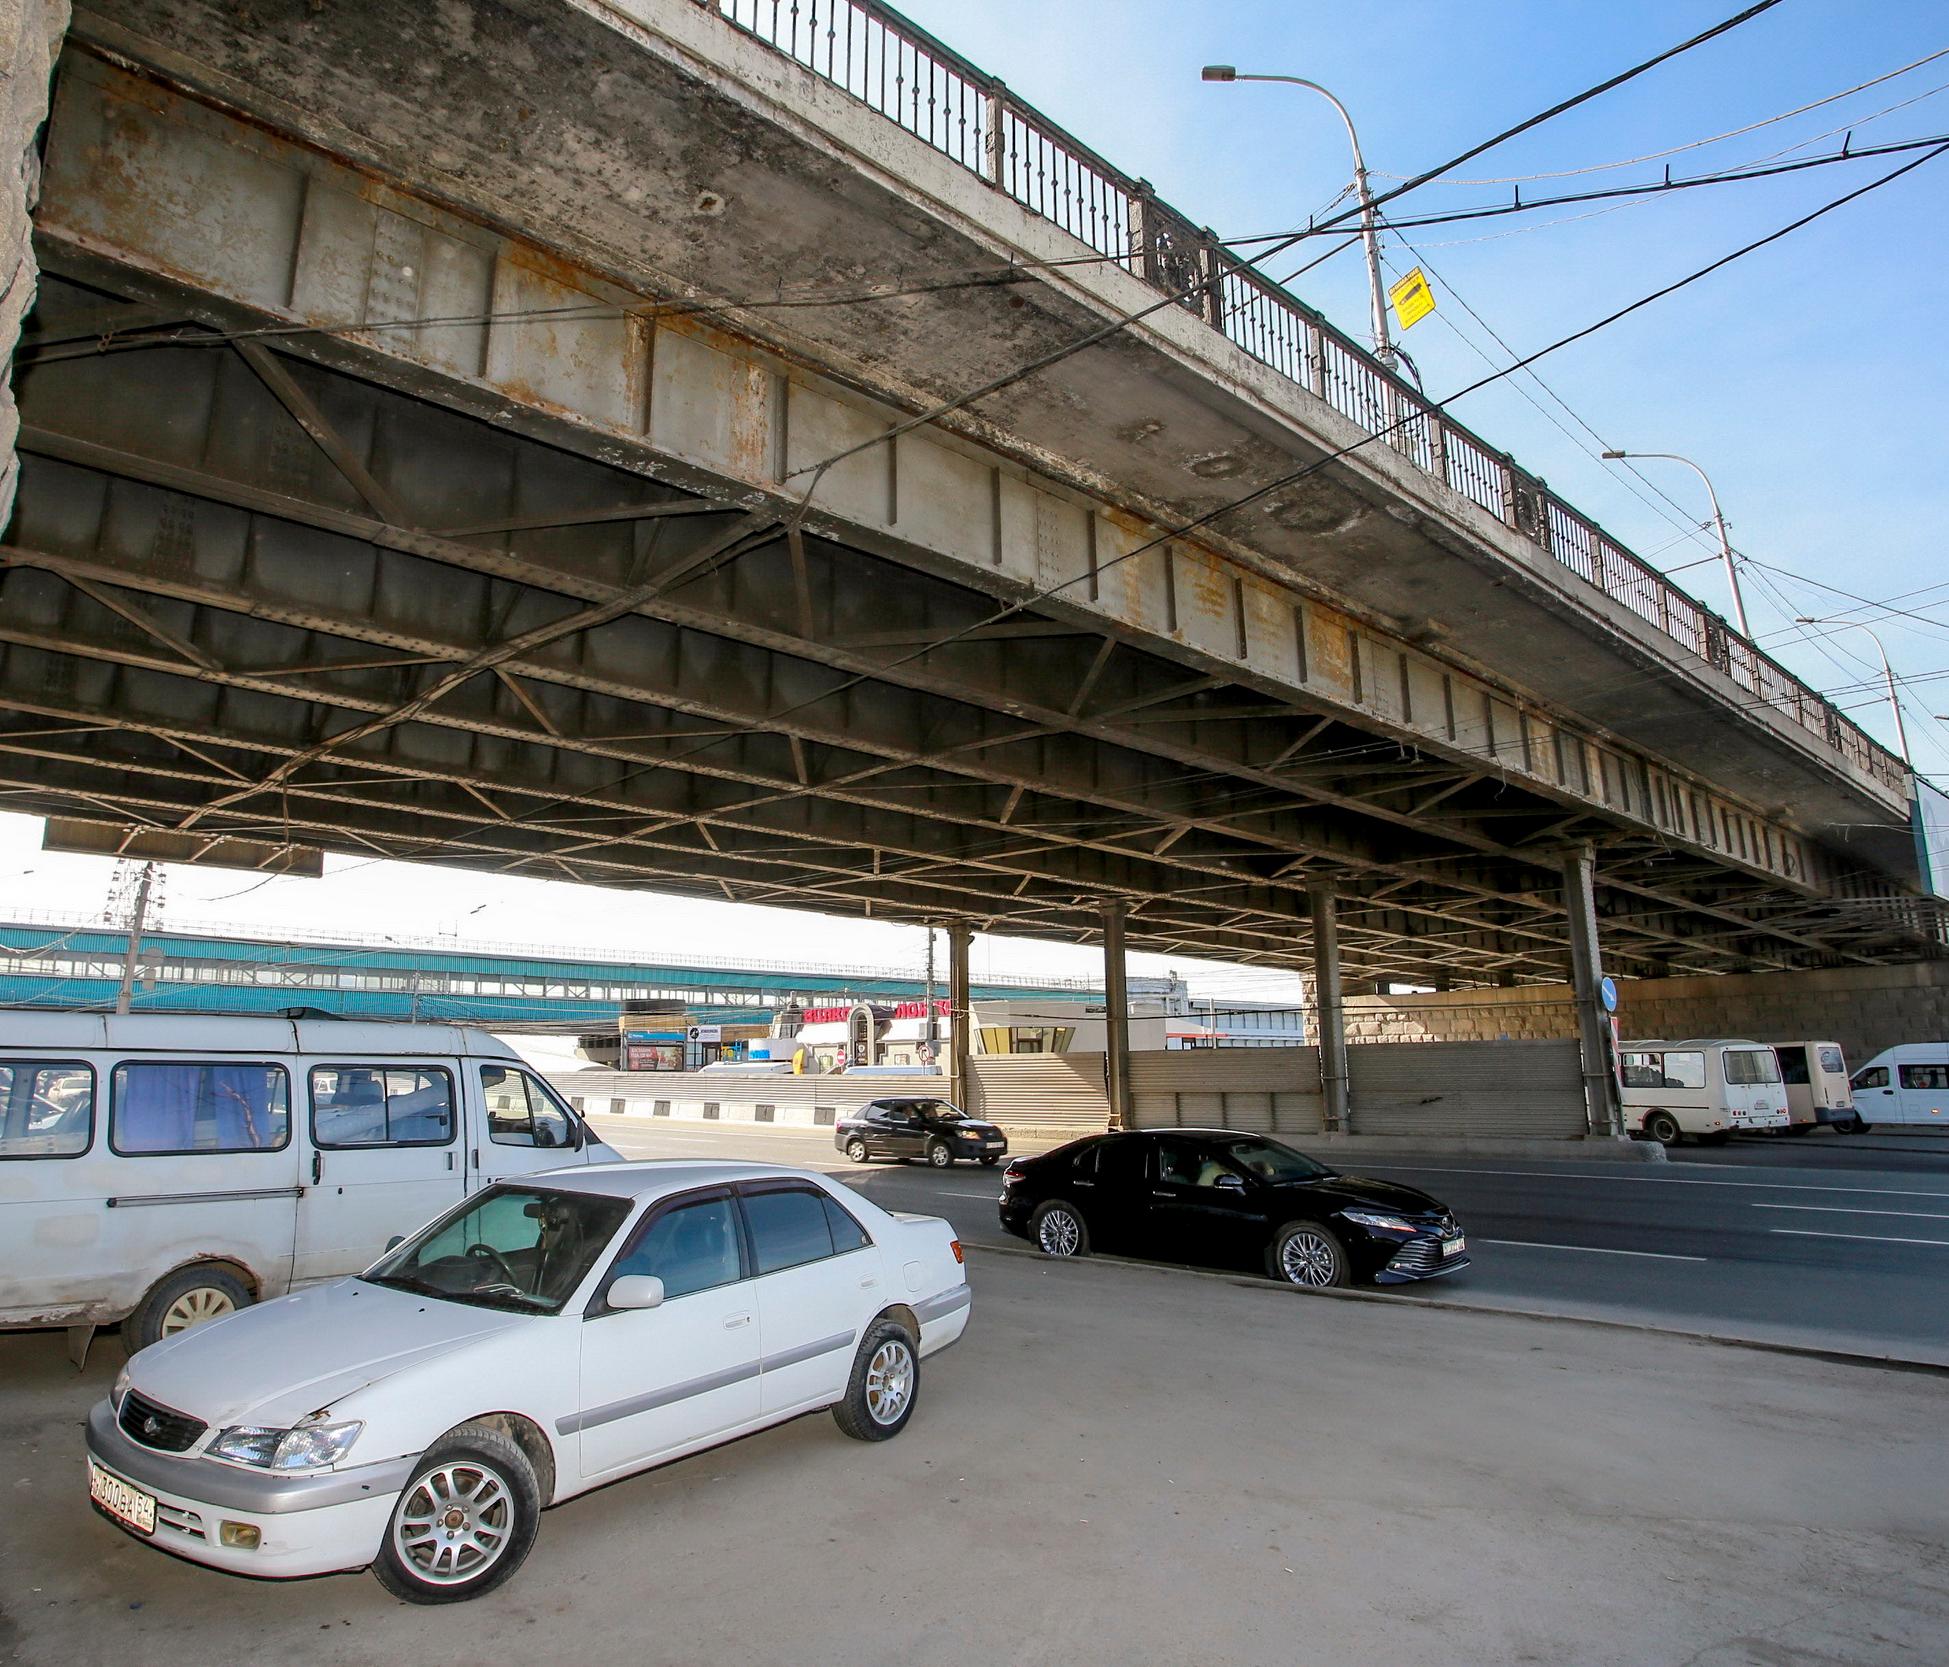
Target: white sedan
(545, 1337)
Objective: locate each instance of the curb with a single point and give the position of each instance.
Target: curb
(1803, 1351)
(1587, 1149)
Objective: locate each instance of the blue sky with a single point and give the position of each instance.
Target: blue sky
(1804, 379)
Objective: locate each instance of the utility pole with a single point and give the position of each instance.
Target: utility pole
(928, 1031)
(137, 915)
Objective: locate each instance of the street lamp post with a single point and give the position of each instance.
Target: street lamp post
(1887, 674)
(1718, 521)
(1369, 235)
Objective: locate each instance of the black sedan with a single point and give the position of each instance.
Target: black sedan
(1217, 1196)
(917, 1126)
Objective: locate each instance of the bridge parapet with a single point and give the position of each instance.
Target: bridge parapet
(903, 73)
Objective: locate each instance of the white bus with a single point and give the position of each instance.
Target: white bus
(1707, 1087)
(1907, 1084)
(161, 1170)
(1815, 1074)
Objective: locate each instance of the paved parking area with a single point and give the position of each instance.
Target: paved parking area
(1130, 1465)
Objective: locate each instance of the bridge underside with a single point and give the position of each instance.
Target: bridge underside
(251, 596)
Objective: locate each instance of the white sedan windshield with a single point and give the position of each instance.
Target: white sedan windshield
(517, 1247)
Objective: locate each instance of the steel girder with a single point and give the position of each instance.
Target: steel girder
(1170, 787)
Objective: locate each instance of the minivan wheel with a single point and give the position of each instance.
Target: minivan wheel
(186, 1298)
(856, 1149)
(939, 1154)
(1058, 1230)
(884, 1385)
(465, 1522)
(1663, 1128)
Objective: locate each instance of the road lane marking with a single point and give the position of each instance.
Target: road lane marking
(1658, 1180)
(1592, 1249)
(1846, 1210)
(1859, 1238)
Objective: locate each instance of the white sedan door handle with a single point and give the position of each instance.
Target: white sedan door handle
(869, 1282)
(737, 1320)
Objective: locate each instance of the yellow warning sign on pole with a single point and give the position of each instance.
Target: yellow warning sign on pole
(1413, 299)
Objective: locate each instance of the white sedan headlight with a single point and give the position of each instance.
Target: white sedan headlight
(120, 1389)
(311, 1445)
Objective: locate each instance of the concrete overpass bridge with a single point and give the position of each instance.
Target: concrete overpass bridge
(512, 433)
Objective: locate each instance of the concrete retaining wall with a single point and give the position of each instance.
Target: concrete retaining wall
(30, 34)
(1865, 1009)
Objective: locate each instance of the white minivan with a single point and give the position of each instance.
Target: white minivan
(162, 1170)
(1707, 1087)
(1907, 1084)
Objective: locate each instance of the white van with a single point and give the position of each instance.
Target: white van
(163, 1170)
(1815, 1074)
(1707, 1087)
(1907, 1084)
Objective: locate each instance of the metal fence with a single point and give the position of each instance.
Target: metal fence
(906, 75)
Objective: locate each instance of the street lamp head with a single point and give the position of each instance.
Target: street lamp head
(1220, 72)
(1613, 456)
(1807, 619)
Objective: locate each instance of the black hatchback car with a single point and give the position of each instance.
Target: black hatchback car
(1219, 1196)
(917, 1126)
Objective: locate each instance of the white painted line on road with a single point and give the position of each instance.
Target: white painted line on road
(1846, 1210)
(1862, 1238)
(1592, 1249)
(1658, 1180)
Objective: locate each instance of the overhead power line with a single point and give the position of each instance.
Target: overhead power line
(1700, 144)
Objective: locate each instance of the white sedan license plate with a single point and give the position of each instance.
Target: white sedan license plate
(1454, 1247)
(126, 1504)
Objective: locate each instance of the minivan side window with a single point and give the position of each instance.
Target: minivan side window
(47, 1108)
(163, 1107)
(380, 1105)
(1925, 1076)
(520, 1112)
(1875, 1076)
(1684, 1070)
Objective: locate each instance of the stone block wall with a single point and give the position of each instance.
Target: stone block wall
(1865, 1009)
(30, 36)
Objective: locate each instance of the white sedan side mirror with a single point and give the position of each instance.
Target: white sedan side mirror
(636, 1290)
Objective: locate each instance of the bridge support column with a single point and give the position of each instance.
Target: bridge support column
(1329, 1013)
(960, 1014)
(1601, 1107)
(1116, 1015)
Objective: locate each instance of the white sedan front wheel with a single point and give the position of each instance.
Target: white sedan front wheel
(465, 1522)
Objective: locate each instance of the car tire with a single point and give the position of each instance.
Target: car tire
(1860, 1125)
(1307, 1254)
(475, 1457)
(856, 1150)
(186, 1298)
(884, 1386)
(991, 1160)
(1662, 1127)
(939, 1154)
(1057, 1229)
(1310, 1255)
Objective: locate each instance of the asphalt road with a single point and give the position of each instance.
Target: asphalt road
(1822, 1242)
(1122, 1465)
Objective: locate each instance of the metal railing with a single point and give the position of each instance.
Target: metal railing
(905, 74)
